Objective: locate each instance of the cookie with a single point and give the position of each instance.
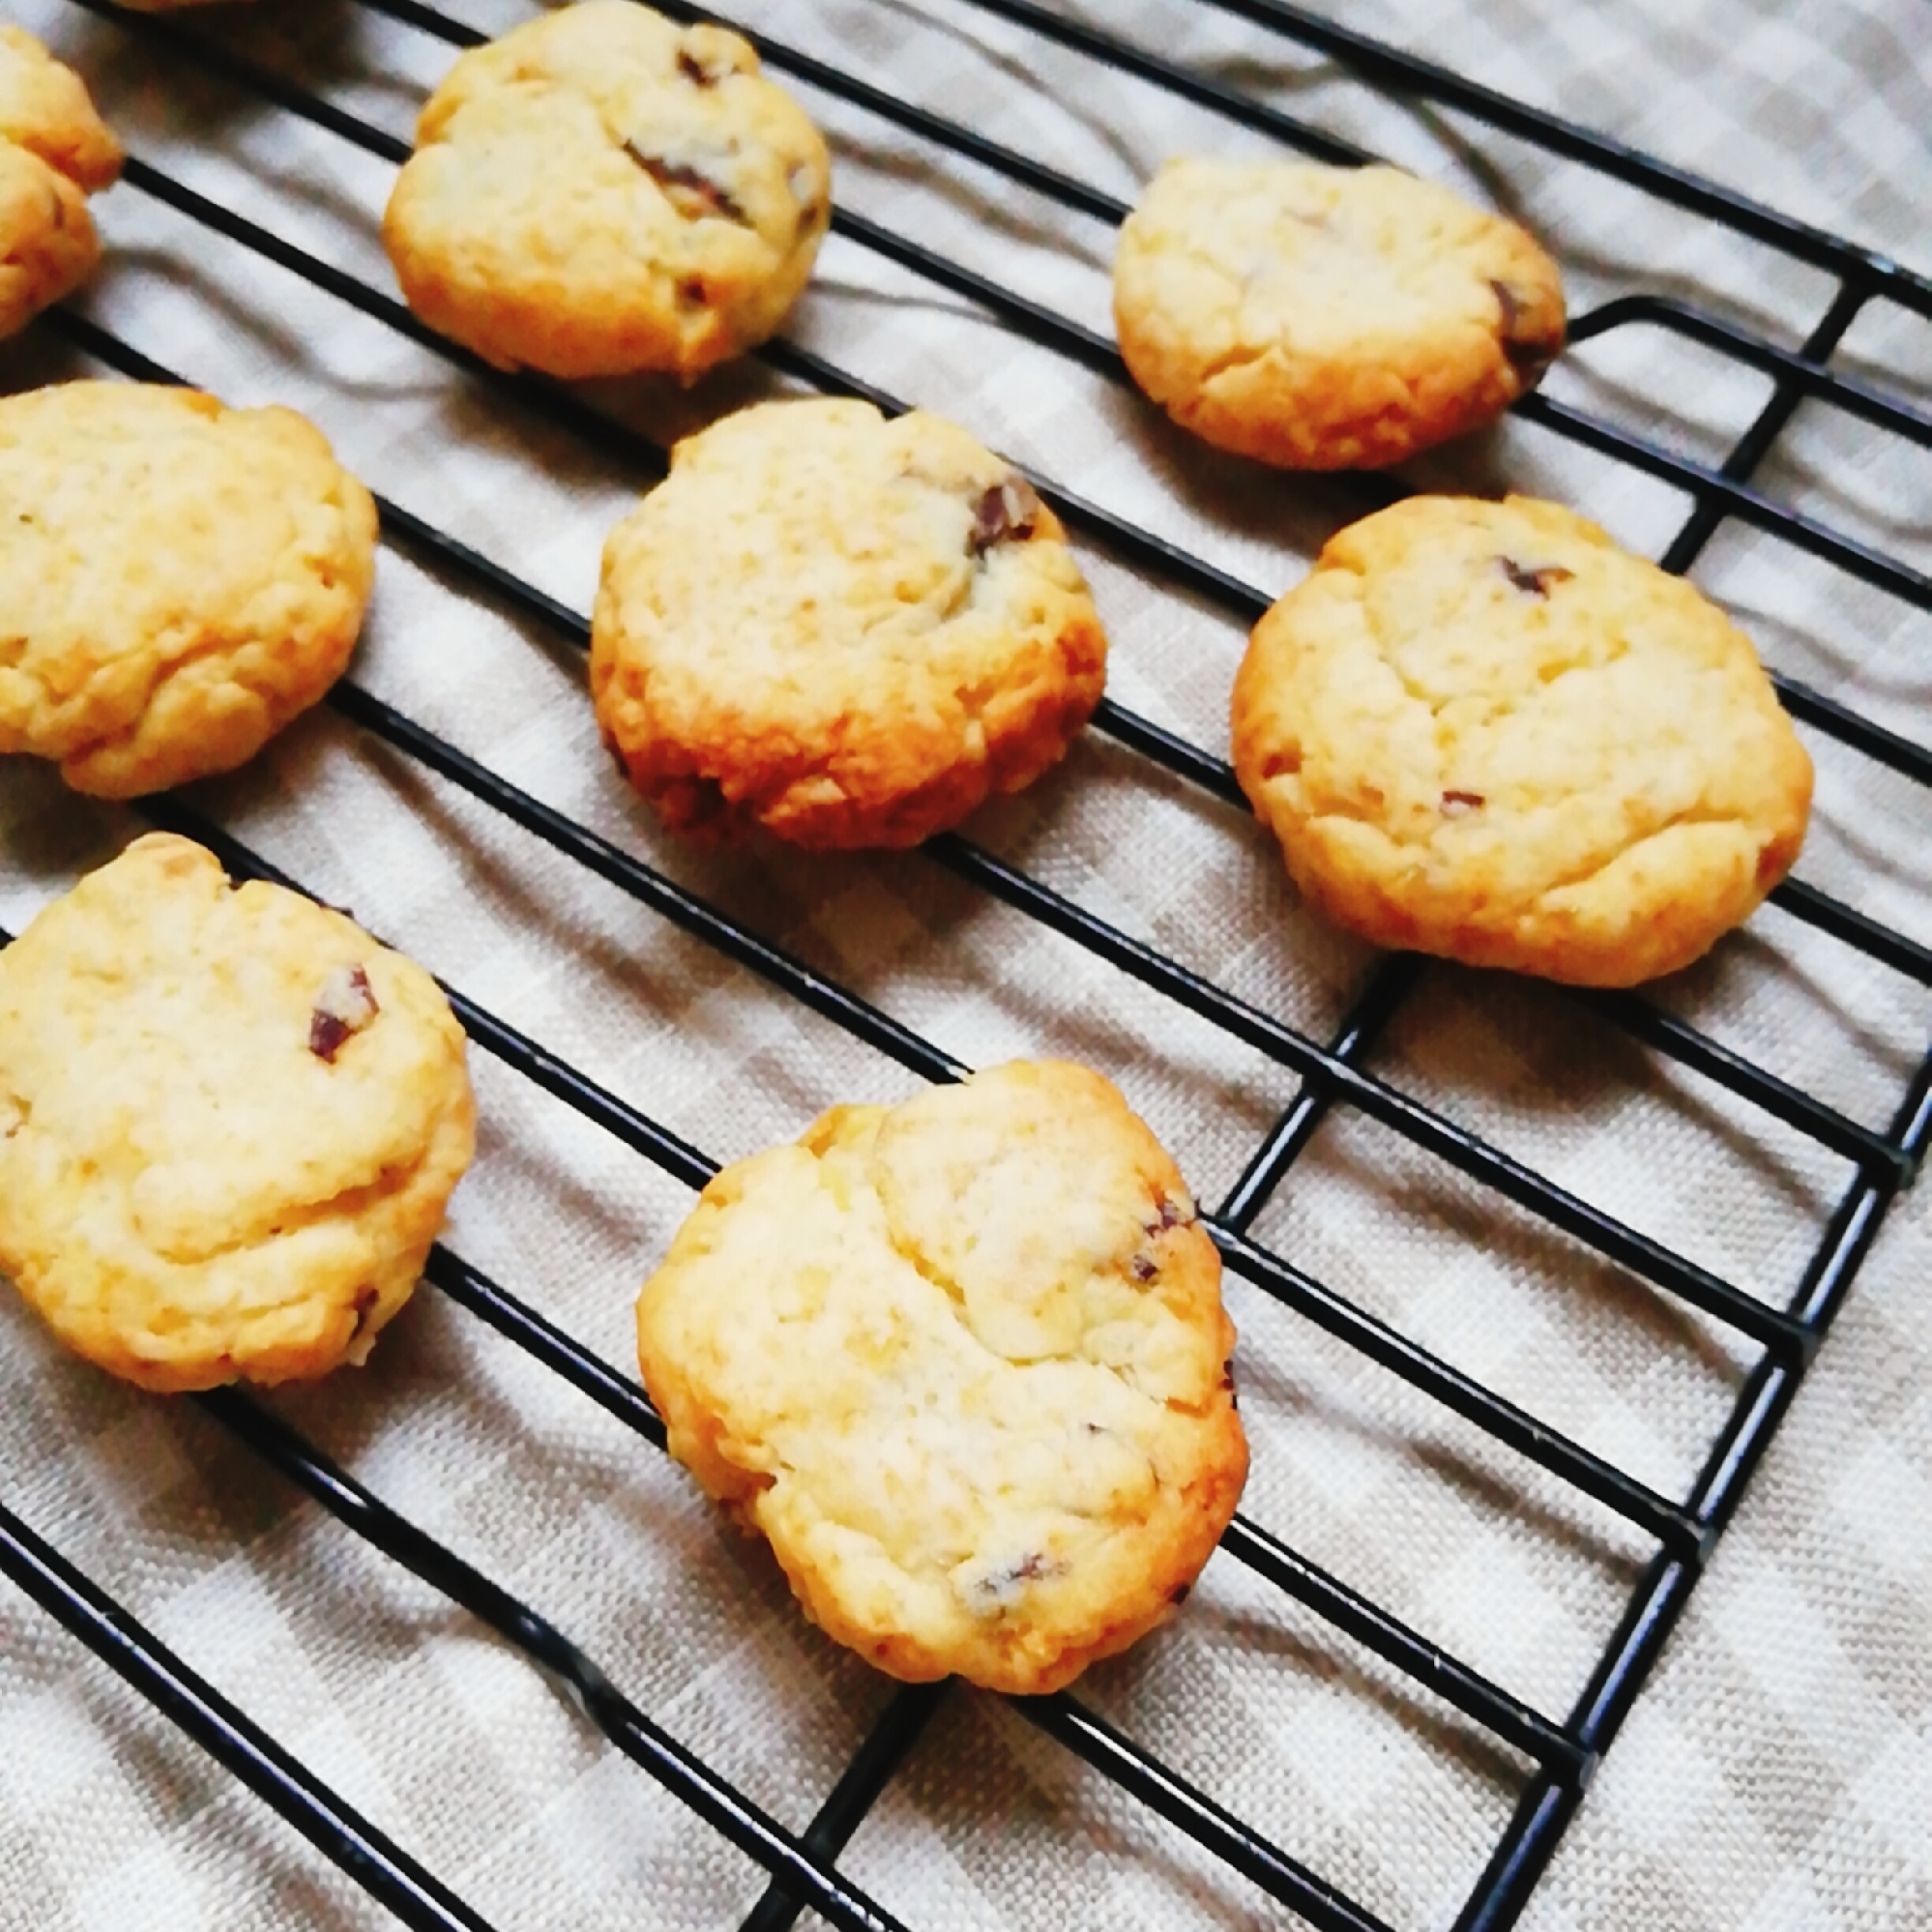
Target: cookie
(54, 151)
(229, 1123)
(1324, 319)
(601, 193)
(846, 630)
(964, 1362)
(180, 579)
(1482, 730)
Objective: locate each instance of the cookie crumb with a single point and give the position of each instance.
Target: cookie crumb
(343, 1006)
(1144, 1267)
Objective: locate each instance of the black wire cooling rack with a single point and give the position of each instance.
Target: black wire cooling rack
(1683, 1528)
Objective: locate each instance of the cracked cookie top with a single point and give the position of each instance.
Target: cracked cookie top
(845, 630)
(181, 580)
(600, 192)
(54, 152)
(1481, 730)
(229, 1124)
(1327, 318)
(964, 1362)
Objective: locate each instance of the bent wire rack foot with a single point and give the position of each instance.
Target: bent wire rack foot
(804, 1869)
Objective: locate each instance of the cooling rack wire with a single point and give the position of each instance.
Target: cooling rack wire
(1554, 1754)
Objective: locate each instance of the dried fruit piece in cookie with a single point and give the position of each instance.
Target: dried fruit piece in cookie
(601, 191)
(1482, 730)
(1327, 318)
(964, 1362)
(54, 152)
(847, 630)
(192, 1188)
(180, 580)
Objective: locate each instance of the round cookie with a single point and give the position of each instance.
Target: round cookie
(848, 631)
(600, 192)
(180, 579)
(54, 151)
(1324, 318)
(1481, 730)
(229, 1123)
(964, 1362)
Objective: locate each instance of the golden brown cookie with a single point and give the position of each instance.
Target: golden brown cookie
(229, 1123)
(964, 1362)
(54, 151)
(180, 579)
(1482, 730)
(1326, 318)
(600, 192)
(848, 631)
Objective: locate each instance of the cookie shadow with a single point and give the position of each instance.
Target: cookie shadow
(1575, 1052)
(1422, 1192)
(53, 832)
(1586, 1530)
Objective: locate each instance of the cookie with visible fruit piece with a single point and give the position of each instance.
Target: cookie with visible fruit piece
(601, 193)
(54, 152)
(847, 630)
(229, 1124)
(964, 1362)
(1482, 730)
(1324, 319)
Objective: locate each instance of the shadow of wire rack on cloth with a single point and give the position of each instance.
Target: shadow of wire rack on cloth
(804, 1869)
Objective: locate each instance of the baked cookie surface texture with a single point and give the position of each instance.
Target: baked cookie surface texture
(1482, 730)
(601, 193)
(180, 578)
(1327, 318)
(229, 1124)
(846, 630)
(54, 152)
(964, 1362)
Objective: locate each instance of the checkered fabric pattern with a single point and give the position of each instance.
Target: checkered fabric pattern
(1776, 1775)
